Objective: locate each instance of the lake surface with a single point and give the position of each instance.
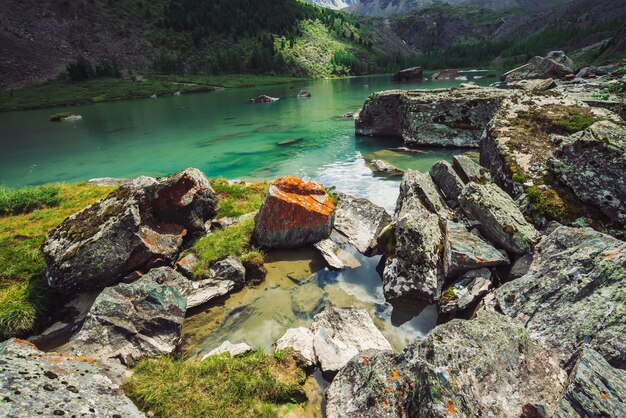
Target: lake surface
(223, 135)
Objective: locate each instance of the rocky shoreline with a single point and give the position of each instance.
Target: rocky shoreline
(523, 254)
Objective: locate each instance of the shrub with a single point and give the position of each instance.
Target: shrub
(27, 199)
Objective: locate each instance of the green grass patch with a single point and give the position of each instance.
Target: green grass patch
(238, 199)
(27, 199)
(67, 93)
(24, 294)
(254, 385)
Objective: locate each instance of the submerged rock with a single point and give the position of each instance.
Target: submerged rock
(131, 321)
(465, 251)
(573, 293)
(380, 166)
(454, 117)
(303, 94)
(409, 74)
(340, 334)
(554, 65)
(595, 390)
(466, 291)
(36, 383)
(336, 257)
(592, 163)
(498, 216)
(295, 213)
(140, 225)
(360, 222)
(488, 366)
(227, 347)
(263, 99)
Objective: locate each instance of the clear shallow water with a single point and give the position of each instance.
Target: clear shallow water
(223, 135)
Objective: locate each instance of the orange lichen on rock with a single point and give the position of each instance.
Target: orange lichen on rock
(295, 213)
(19, 341)
(450, 408)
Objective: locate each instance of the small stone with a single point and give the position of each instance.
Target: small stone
(227, 347)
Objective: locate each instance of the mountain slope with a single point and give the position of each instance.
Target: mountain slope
(386, 8)
(333, 4)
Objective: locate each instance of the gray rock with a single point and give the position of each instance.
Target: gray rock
(521, 266)
(499, 219)
(36, 383)
(488, 366)
(380, 166)
(187, 264)
(109, 181)
(227, 347)
(131, 321)
(454, 117)
(555, 65)
(538, 85)
(467, 291)
(465, 251)
(468, 170)
(595, 390)
(295, 213)
(449, 183)
(336, 257)
(573, 293)
(592, 163)
(300, 340)
(413, 266)
(340, 334)
(140, 224)
(361, 222)
(409, 74)
(226, 221)
(420, 186)
(263, 99)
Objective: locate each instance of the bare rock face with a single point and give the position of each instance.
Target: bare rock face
(465, 251)
(454, 117)
(499, 218)
(139, 225)
(573, 293)
(596, 389)
(409, 74)
(592, 163)
(360, 222)
(487, 366)
(131, 321)
(294, 213)
(36, 383)
(340, 334)
(413, 266)
(555, 65)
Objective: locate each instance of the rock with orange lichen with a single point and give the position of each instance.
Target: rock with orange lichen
(36, 383)
(138, 226)
(295, 213)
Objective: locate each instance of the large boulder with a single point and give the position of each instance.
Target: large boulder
(555, 65)
(360, 222)
(573, 293)
(498, 217)
(36, 383)
(413, 266)
(446, 117)
(340, 334)
(295, 213)
(409, 74)
(131, 321)
(139, 225)
(593, 164)
(488, 366)
(466, 251)
(596, 389)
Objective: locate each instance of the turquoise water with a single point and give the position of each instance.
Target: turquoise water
(217, 132)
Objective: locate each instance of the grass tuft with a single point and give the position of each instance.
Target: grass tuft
(575, 122)
(27, 199)
(238, 199)
(254, 385)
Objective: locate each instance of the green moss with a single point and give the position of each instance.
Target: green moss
(575, 122)
(27, 199)
(448, 296)
(333, 197)
(25, 297)
(238, 199)
(254, 385)
(387, 240)
(253, 261)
